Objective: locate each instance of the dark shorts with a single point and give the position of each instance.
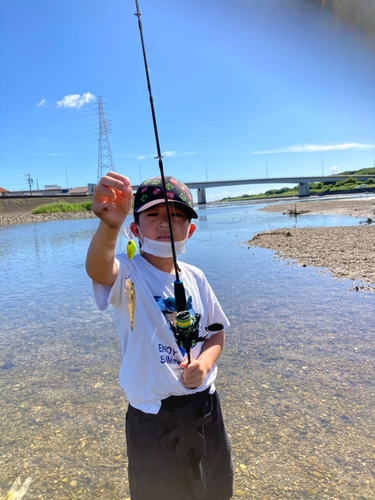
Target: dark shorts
(154, 470)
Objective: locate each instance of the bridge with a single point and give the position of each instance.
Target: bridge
(303, 183)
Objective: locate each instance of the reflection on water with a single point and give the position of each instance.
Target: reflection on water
(296, 377)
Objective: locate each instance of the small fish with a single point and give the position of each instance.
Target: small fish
(130, 295)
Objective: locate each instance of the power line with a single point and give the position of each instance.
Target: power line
(32, 140)
(32, 143)
(39, 122)
(54, 112)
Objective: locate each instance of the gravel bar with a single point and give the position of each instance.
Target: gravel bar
(346, 252)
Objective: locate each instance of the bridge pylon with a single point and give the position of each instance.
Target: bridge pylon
(201, 196)
(303, 189)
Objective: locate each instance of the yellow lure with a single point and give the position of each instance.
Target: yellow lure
(131, 249)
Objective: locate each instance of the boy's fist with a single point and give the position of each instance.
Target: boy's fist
(112, 199)
(194, 374)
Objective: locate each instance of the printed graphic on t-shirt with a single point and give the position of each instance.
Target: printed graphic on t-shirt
(169, 310)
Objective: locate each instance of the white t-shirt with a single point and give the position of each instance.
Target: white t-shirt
(150, 368)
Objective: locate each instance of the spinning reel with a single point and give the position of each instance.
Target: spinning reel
(186, 330)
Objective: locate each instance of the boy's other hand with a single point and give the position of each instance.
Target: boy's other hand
(194, 374)
(112, 199)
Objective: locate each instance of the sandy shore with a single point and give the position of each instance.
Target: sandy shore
(347, 252)
(359, 207)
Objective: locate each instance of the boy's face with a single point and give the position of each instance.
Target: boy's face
(153, 223)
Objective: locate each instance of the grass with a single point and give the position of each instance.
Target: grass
(62, 206)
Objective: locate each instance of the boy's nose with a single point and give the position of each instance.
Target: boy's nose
(164, 222)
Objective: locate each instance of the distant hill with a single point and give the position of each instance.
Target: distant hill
(362, 171)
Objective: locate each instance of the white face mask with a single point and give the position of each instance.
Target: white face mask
(161, 249)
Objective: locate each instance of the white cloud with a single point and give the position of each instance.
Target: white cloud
(43, 102)
(50, 154)
(169, 154)
(334, 170)
(174, 154)
(312, 148)
(75, 100)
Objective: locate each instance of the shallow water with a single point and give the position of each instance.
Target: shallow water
(296, 377)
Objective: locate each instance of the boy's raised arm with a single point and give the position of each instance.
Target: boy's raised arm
(111, 202)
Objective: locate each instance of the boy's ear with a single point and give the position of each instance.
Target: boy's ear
(134, 229)
(191, 229)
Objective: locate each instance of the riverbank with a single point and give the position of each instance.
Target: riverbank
(358, 207)
(27, 218)
(18, 211)
(346, 252)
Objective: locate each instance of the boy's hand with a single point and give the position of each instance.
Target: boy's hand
(112, 199)
(194, 374)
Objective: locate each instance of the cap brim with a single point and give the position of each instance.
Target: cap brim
(192, 213)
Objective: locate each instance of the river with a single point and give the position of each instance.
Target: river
(296, 377)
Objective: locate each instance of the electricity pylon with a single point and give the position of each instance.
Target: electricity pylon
(105, 159)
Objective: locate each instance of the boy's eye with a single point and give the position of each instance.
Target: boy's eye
(176, 214)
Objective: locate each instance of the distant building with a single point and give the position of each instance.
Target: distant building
(51, 190)
(79, 191)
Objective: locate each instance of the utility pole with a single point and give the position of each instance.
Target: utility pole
(105, 159)
(66, 177)
(30, 181)
(322, 167)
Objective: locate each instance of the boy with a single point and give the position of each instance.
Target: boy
(176, 441)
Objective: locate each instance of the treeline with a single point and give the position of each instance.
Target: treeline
(350, 183)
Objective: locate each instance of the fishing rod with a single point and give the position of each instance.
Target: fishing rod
(186, 329)
(179, 289)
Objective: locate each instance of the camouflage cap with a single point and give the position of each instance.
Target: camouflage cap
(151, 193)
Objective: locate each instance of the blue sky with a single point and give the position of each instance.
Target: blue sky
(238, 85)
